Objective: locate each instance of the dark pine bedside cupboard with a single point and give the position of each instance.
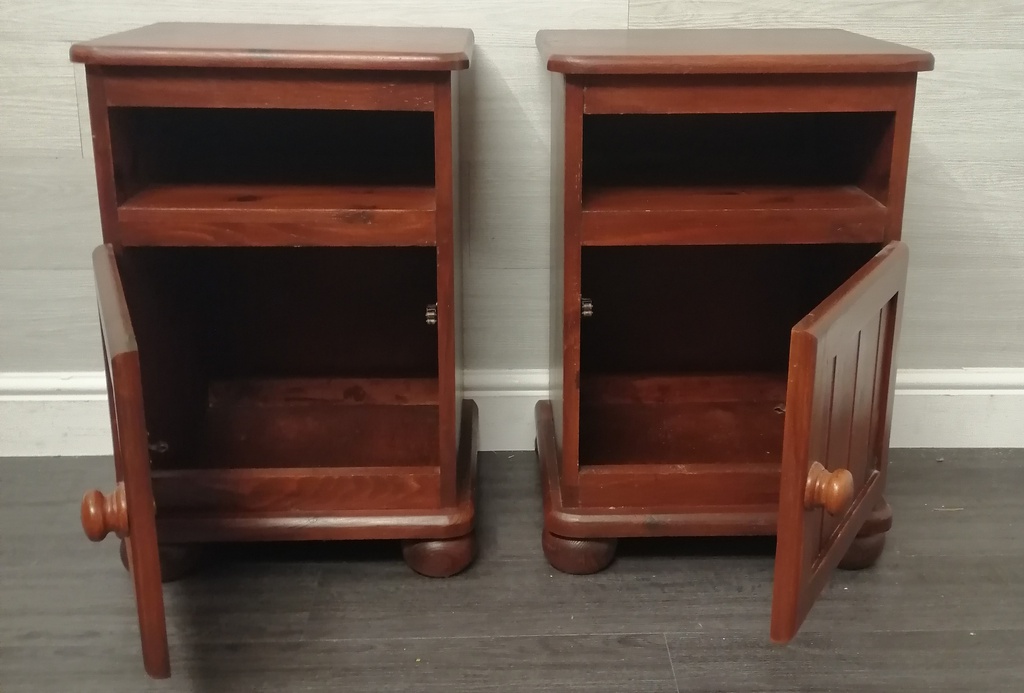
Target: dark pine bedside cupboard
(727, 285)
(279, 293)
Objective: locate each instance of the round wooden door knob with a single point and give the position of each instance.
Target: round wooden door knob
(102, 514)
(830, 490)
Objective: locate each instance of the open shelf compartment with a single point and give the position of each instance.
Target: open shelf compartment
(735, 178)
(195, 176)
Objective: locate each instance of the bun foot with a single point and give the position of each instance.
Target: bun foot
(578, 556)
(440, 557)
(864, 552)
(176, 560)
(867, 547)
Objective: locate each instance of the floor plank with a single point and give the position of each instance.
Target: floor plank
(328, 616)
(560, 663)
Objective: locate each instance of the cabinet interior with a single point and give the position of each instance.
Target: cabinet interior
(685, 358)
(162, 153)
(286, 357)
(738, 153)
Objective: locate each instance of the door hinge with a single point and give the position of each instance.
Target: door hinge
(586, 307)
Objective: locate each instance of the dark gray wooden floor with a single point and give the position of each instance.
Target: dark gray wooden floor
(943, 610)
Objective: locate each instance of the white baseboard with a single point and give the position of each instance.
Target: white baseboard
(53, 414)
(959, 408)
(506, 399)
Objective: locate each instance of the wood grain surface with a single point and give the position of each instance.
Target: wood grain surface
(220, 215)
(131, 460)
(174, 44)
(717, 51)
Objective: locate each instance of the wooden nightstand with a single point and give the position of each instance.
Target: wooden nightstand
(279, 293)
(727, 284)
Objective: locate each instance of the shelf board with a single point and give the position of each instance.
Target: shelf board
(294, 491)
(668, 215)
(682, 420)
(268, 215)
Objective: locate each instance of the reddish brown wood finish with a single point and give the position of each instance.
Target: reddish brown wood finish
(284, 380)
(686, 389)
(131, 455)
(558, 328)
(867, 548)
(440, 557)
(724, 51)
(275, 215)
(825, 426)
(296, 490)
(831, 490)
(896, 162)
(683, 420)
(712, 189)
(574, 520)
(745, 297)
(763, 215)
(102, 514)
(409, 392)
(240, 87)
(252, 425)
(799, 93)
(578, 556)
(269, 46)
(433, 523)
(571, 292)
(640, 484)
(449, 261)
(103, 155)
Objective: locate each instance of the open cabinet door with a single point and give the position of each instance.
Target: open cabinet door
(835, 449)
(129, 511)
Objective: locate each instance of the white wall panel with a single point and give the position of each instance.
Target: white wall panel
(49, 213)
(48, 321)
(510, 162)
(38, 108)
(969, 108)
(509, 309)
